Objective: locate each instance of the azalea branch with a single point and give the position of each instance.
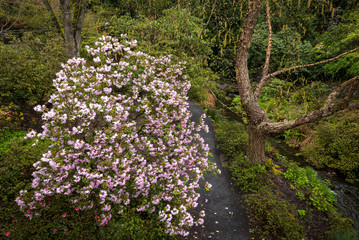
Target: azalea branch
(268, 53)
(269, 76)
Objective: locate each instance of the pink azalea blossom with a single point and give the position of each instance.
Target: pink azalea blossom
(122, 137)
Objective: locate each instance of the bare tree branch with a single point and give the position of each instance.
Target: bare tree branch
(249, 103)
(268, 53)
(210, 16)
(53, 17)
(333, 95)
(269, 76)
(328, 109)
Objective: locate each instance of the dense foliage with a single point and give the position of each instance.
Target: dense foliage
(28, 67)
(336, 144)
(121, 118)
(122, 139)
(311, 187)
(184, 39)
(275, 217)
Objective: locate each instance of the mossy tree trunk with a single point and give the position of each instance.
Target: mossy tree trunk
(73, 14)
(259, 125)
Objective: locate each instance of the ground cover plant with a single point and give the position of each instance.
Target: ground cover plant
(122, 141)
(285, 201)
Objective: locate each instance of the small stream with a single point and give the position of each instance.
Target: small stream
(347, 194)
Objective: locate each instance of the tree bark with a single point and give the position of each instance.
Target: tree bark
(256, 145)
(78, 21)
(255, 113)
(259, 125)
(268, 52)
(66, 9)
(72, 25)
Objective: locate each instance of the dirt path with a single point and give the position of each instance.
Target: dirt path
(226, 217)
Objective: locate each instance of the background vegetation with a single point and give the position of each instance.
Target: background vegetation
(285, 199)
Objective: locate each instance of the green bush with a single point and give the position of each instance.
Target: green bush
(17, 156)
(232, 138)
(247, 176)
(312, 93)
(288, 48)
(274, 217)
(27, 69)
(275, 88)
(336, 144)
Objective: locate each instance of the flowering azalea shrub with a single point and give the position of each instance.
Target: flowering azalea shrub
(122, 139)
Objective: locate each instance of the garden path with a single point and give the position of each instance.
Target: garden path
(226, 217)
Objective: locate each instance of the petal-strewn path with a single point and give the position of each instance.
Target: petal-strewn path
(226, 217)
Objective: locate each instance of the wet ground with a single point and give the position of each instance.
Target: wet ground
(226, 217)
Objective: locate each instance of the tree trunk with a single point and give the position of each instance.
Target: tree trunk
(256, 145)
(73, 25)
(68, 28)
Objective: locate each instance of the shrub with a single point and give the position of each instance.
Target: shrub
(288, 48)
(232, 138)
(122, 140)
(336, 144)
(27, 69)
(16, 160)
(247, 176)
(274, 217)
(17, 157)
(311, 93)
(10, 116)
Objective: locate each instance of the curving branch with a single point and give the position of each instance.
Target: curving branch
(329, 108)
(269, 76)
(268, 53)
(210, 16)
(249, 102)
(53, 17)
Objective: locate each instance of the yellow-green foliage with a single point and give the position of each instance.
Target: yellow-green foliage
(232, 138)
(274, 217)
(10, 116)
(311, 187)
(28, 67)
